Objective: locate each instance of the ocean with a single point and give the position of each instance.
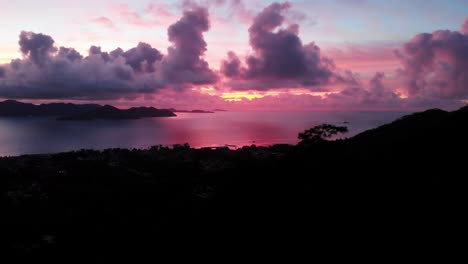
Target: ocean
(31, 135)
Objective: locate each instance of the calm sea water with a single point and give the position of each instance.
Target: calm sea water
(47, 135)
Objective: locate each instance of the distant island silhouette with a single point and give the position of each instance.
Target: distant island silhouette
(191, 111)
(405, 177)
(75, 112)
(14, 108)
(110, 112)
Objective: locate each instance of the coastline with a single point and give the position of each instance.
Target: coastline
(97, 202)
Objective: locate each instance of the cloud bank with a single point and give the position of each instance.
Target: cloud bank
(433, 67)
(48, 72)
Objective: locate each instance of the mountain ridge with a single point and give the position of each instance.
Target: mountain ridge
(111, 112)
(70, 112)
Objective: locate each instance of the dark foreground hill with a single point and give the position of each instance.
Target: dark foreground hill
(398, 185)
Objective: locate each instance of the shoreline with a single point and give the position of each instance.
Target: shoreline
(97, 202)
(167, 146)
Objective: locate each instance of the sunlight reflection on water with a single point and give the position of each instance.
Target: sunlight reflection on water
(46, 135)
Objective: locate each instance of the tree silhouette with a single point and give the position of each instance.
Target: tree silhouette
(321, 133)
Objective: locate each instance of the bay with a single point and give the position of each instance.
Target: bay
(47, 135)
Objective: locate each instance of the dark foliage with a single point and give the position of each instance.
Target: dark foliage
(321, 133)
(400, 184)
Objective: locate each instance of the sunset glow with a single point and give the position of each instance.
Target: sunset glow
(238, 96)
(227, 52)
(133, 128)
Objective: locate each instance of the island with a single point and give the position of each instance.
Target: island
(404, 177)
(191, 111)
(74, 112)
(111, 112)
(12, 108)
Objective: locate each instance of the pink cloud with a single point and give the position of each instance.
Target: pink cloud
(435, 65)
(105, 22)
(430, 70)
(364, 59)
(236, 9)
(155, 14)
(239, 9)
(131, 17)
(464, 28)
(374, 95)
(160, 11)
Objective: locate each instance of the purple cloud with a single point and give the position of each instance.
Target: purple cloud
(376, 95)
(143, 57)
(232, 66)
(184, 63)
(38, 47)
(51, 73)
(48, 72)
(279, 55)
(435, 65)
(95, 50)
(69, 53)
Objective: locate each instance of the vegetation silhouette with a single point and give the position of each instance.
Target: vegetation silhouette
(320, 133)
(400, 182)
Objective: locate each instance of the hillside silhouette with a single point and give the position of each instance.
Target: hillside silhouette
(402, 181)
(15, 108)
(111, 112)
(73, 112)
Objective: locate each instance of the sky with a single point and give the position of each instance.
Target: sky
(235, 54)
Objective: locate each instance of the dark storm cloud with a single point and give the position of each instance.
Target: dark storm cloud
(2, 72)
(184, 63)
(279, 54)
(435, 65)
